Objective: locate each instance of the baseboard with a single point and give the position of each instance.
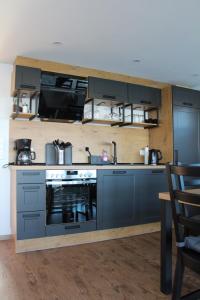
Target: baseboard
(5, 237)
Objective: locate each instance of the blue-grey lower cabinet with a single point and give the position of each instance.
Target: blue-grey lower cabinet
(148, 183)
(31, 204)
(129, 197)
(115, 199)
(30, 224)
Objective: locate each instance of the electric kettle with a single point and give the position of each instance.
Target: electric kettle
(154, 156)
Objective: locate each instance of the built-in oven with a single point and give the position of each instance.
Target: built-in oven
(71, 197)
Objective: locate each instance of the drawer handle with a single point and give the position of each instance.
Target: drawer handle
(109, 97)
(27, 86)
(72, 227)
(31, 187)
(31, 173)
(157, 171)
(119, 172)
(187, 103)
(145, 102)
(31, 216)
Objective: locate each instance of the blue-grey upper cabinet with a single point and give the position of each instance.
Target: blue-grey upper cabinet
(26, 78)
(143, 95)
(186, 97)
(107, 89)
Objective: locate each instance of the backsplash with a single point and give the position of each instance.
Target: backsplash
(97, 138)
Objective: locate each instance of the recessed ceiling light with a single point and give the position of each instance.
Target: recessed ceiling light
(137, 60)
(57, 43)
(195, 75)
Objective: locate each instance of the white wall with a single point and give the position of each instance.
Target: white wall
(5, 111)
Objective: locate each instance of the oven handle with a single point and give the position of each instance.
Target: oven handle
(70, 182)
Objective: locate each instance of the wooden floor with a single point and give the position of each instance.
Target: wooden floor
(119, 269)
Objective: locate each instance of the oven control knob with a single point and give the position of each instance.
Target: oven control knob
(81, 174)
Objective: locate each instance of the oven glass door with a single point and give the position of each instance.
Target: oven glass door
(70, 201)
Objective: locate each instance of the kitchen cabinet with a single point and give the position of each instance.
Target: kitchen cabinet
(30, 225)
(148, 183)
(26, 78)
(129, 197)
(106, 89)
(31, 204)
(115, 199)
(143, 95)
(186, 125)
(186, 97)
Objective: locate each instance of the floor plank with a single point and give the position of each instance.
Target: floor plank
(118, 269)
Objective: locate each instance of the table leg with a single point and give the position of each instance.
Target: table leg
(166, 248)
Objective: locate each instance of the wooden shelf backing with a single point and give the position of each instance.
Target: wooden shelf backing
(28, 116)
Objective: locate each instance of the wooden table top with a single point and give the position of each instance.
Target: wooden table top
(166, 195)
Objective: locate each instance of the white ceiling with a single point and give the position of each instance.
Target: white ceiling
(107, 35)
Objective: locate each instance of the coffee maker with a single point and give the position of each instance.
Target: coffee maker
(24, 154)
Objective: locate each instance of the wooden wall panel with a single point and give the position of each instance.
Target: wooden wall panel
(162, 136)
(129, 140)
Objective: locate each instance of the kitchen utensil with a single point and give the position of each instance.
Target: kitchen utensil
(154, 156)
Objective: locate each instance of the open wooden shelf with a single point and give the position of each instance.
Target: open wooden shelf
(119, 123)
(20, 115)
(96, 121)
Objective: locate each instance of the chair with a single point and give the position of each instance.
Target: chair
(187, 225)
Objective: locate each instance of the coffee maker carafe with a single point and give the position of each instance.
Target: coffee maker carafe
(24, 153)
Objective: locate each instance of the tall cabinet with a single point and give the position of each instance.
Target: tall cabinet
(186, 125)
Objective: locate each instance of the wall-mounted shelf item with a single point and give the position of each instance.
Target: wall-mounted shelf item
(147, 118)
(30, 103)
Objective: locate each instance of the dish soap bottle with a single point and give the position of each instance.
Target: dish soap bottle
(104, 156)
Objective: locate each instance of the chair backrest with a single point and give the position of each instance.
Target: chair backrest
(182, 199)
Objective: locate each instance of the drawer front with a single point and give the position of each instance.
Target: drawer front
(61, 229)
(30, 225)
(31, 176)
(31, 197)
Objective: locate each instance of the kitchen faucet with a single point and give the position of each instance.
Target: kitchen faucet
(115, 153)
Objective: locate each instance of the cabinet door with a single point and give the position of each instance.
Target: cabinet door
(27, 78)
(147, 96)
(30, 225)
(31, 197)
(115, 199)
(186, 134)
(186, 97)
(148, 184)
(107, 89)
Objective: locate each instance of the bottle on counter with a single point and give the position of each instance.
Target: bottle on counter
(146, 155)
(104, 156)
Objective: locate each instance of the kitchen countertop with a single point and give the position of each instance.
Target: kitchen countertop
(85, 167)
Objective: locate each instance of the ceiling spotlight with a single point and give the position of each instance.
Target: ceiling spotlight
(137, 60)
(57, 43)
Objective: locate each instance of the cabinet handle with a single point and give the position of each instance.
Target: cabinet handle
(109, 97)
(157, 171)
(145, 102)
(31, 173)
(119, 172)
(187, 103)
(31, 187)
(27, 86)
(30, 216)
(72, 227)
